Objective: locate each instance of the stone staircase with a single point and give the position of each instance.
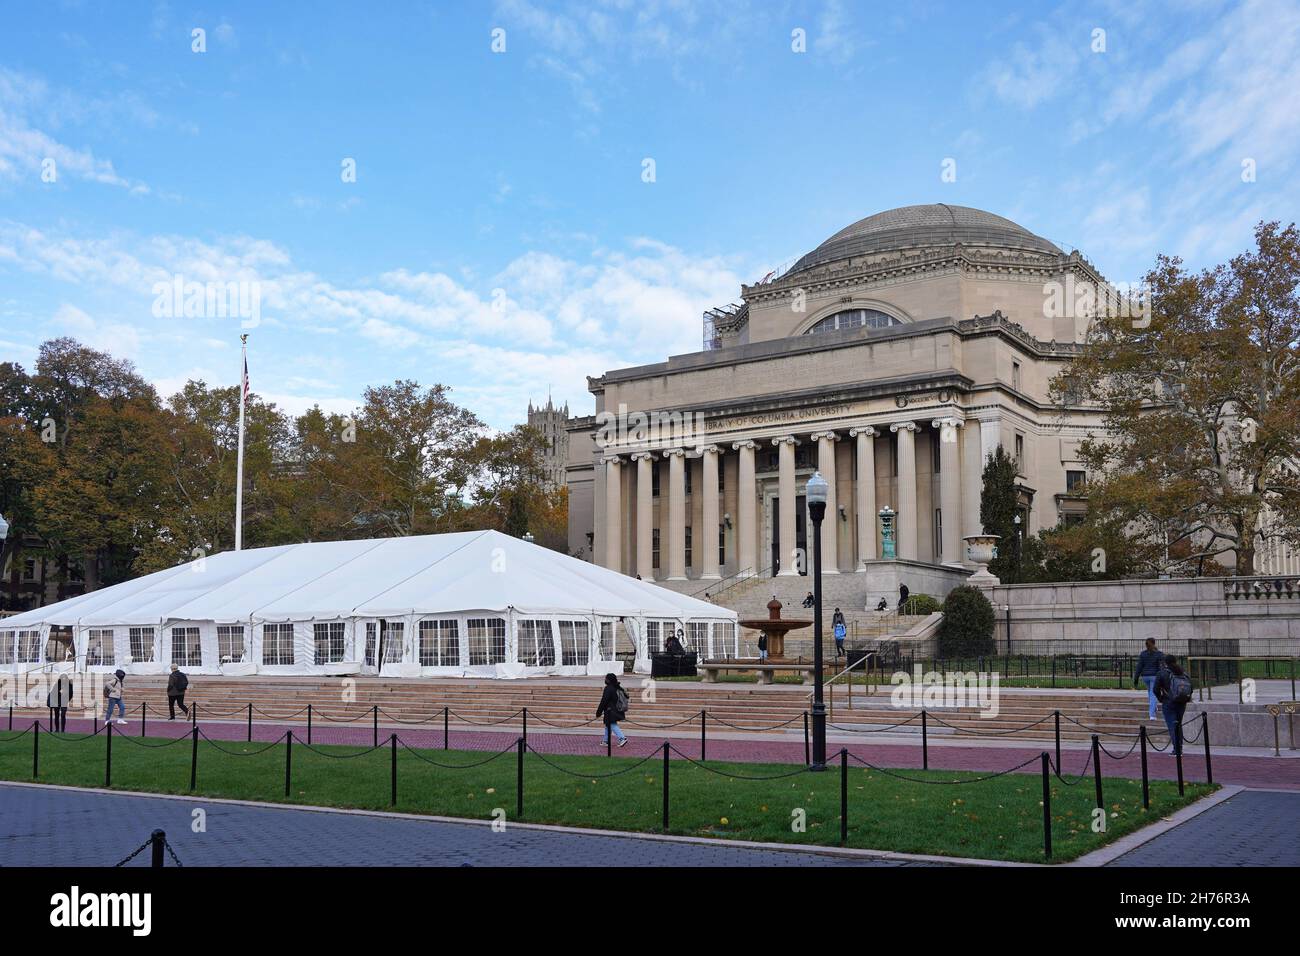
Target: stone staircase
(748, 597)
(572, 701)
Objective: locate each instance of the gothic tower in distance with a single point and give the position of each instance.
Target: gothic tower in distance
(550, 421)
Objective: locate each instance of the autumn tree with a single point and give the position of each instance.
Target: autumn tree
(1201, 404)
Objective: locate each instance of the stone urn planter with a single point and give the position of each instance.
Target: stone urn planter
(980, 550)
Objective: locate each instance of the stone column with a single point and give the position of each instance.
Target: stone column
(746, 502)
(948, 435)
(644, 521)
(708, 539)
(830, 526)
(907, 517)
(676, 514)
(785, 489)
(613, 513)
(865, 490)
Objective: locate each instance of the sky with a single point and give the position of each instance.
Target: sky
(506, 197)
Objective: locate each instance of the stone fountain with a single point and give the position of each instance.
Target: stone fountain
(775, 627)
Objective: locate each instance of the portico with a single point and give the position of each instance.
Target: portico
(893, 359)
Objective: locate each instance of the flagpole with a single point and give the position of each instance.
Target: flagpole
(239, 460)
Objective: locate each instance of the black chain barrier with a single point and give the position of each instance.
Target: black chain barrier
(735, 776)
(991, 776)
(238, 753)
(1083, 774)
(454, 766)
(592, 776)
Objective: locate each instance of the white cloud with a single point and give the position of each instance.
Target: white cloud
(542, 320)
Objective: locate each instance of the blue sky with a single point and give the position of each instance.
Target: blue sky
(499, 236)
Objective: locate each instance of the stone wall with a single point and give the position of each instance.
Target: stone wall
(1172, 611)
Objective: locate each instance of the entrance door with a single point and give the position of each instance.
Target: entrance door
(800, 532)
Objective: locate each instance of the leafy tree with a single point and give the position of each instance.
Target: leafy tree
(998, 510)
(967, 627)
(1201, 406)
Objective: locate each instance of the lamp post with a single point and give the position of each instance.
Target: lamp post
(1016, 545)
(4, 533)
(816, 496)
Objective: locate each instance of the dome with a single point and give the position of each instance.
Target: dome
(935, 224)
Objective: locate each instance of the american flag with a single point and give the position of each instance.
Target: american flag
(245, 378)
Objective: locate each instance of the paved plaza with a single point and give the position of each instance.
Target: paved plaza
(1252, 828)
(55, 827)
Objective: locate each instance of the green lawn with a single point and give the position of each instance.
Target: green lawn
(1000, 818)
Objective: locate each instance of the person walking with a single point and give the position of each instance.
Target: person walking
(58, 700)
(177, 682)
(762, 646)
(840, 630)
(1174, 689)
(613, 707)
(1149, 664)
(113, 692)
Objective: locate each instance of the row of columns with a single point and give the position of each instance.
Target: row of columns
(864, 436)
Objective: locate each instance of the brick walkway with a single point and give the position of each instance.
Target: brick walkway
(1253, 828)
(45, 827)
(985, 756)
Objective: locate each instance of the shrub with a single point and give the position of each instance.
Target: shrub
(967, 628)
(922, 604)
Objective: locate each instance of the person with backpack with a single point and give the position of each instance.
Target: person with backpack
(613, 707)
(113, 692)
(177, 682)
(1149, 664)
(1174, 689)
(840, 630)
(58, 700)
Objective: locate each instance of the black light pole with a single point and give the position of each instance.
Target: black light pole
(1016, 543)
(816, 497)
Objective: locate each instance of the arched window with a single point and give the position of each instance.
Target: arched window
(854, 319)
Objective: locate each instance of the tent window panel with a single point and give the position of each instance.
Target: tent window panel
(277, 644)
(652, 637)
(186, 648)
(29, 647)
(141, 644)
(230, 643)
(439, 643)
(697, 637)
(99, 647)
(606, 640)
(392, 635)
(575, 643)
(7, 647)
(724, 640)
(329, 642)
(371, 637)
(487, 640)
(536, 648)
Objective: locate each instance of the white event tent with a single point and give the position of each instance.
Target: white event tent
(472, 604)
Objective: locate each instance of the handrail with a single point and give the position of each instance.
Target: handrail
(740, 577)
(869, 656)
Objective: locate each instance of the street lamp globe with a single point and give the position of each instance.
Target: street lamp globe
(528, 536)
(816, 492)
(4, 528)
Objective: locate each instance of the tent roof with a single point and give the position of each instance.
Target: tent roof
(378, 577)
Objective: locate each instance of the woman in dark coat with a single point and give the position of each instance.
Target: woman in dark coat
(613, 707)
(59, 699)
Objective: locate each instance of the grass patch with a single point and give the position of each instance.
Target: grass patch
(1000, 818)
